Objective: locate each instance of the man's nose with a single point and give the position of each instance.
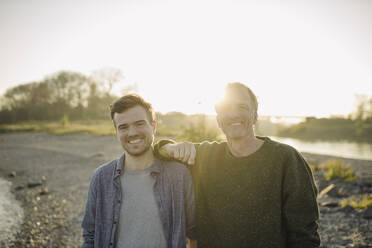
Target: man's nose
(132, 131)
(232, 112)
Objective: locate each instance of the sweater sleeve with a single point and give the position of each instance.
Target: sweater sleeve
(157, 147)
(164, 142)
(193, 168)
(300, 208)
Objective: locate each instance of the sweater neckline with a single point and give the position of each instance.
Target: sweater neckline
(265, 140)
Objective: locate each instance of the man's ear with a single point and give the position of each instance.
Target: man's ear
(255, 117)
(219, 121)
(113, 122)
(154, 125)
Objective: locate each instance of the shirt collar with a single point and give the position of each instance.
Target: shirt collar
(119, 167)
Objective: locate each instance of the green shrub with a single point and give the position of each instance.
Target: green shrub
(338, 169)
(315, 167)
(361, 202)
(64, 121)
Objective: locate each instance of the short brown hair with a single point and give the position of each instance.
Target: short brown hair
(129, 101)
(239, 86)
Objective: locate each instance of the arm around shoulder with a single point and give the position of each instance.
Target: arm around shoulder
(184, 152)
(159, 149)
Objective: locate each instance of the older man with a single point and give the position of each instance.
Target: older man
(250, 191)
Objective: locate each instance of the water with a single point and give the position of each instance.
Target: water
(343, 149)
(11, 214)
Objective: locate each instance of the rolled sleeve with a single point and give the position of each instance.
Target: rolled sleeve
(160, 144)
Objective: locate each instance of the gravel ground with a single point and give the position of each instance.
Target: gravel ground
(11, 214)
(50, 177)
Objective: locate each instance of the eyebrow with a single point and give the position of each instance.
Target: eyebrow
(136, 122)
(121, 125)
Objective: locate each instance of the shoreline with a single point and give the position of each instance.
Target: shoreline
(337, 148)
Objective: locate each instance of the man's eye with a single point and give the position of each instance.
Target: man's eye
(123, 127)
(140, 124)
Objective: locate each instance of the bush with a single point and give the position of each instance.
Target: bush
(315, 167)
(338, 169)
(362, 201)
(64, 121)
(199, 131)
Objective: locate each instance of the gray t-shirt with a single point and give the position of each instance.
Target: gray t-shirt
(139, 223)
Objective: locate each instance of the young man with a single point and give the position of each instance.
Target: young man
(250, 191)
(138, 200)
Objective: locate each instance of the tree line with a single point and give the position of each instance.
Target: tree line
(357, 127)
(75, 96)
(63, 94)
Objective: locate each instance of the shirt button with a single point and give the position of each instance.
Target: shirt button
(110, 243)
(115, 222)
(118, 201)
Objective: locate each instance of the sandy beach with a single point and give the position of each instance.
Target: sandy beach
(49, 177)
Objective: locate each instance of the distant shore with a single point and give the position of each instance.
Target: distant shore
(50, 176)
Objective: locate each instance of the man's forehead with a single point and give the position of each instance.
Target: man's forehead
(133, 114)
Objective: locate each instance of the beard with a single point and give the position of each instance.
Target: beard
(139, 149)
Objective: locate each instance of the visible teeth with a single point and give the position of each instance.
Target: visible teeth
(136, 141)
(235, 123)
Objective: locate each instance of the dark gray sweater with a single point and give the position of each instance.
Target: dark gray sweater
(267, 199)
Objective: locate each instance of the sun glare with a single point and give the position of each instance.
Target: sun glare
(182, 55)
(186, 99)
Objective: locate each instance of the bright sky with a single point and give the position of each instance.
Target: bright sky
(299, 57)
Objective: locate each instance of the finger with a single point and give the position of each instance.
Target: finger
(187, 153)
(182, 151)
(166, 151)
(169, 149)
(192, 154)
(176, 152)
